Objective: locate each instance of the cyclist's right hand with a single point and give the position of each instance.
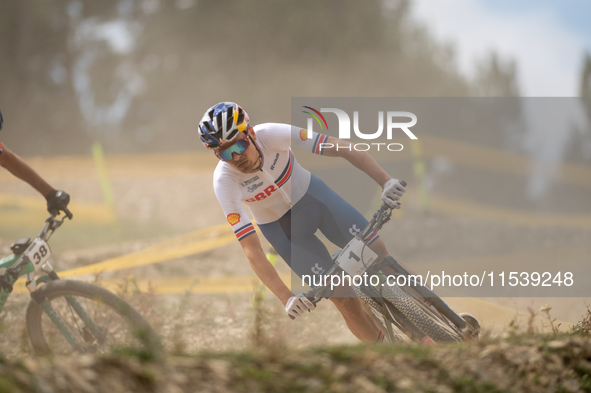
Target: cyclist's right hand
(296, 305)
(393, 190)
(58, 200)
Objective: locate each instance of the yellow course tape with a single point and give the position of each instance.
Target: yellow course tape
(192, 243)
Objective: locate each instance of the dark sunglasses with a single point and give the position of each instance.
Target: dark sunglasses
(238, 148)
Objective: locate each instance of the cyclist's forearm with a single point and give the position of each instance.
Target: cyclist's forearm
(268, 275)
(19, 168)
(264, 270)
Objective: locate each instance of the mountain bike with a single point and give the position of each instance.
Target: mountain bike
(407, 312)
(66, 316)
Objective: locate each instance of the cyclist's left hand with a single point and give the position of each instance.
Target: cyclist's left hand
(393, 190)
(57, 200)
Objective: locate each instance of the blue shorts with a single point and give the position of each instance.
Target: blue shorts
(294, 235)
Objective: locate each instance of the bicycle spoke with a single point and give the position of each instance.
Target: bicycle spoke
(114, 330)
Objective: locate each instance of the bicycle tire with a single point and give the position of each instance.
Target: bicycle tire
(46, 339)
(377, 313)
(413, 308)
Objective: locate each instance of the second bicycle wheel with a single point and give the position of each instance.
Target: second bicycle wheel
(113, 323)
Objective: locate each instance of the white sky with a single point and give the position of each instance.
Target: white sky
(542, 37)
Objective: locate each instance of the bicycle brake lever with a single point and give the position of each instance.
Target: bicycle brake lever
(68, 214)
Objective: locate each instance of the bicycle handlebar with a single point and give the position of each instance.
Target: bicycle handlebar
(51, 224)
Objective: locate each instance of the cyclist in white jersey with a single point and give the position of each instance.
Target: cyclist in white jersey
(257, 167)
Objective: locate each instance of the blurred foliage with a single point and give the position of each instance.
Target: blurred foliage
(585, 90)
(138, 74)
(496, 78)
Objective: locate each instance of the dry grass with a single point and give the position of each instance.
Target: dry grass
(191, 323)
(584, 325)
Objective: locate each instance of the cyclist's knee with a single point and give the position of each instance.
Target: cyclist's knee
(380, 248)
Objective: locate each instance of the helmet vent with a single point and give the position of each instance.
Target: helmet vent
(232, 135)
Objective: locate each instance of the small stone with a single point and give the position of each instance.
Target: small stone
(339, 371)
(221, 368)
(557, 344)
(86, 360)
(585, 364)
(443, 389)
(365, 385)
(405, 383)
(90, 375)
(570, 385)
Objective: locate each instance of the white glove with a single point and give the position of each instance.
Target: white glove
(393, 190)
(296, 305)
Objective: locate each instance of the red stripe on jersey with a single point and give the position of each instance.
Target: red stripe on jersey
(245, 231)
(288, 173)
(322, 139)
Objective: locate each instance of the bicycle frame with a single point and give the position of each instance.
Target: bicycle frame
(378, 220)
(18, 265)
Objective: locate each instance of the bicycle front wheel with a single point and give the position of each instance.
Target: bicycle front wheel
(413, 308)
(376, 312)
(98, 320)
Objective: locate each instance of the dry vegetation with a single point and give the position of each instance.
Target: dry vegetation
(517, 363)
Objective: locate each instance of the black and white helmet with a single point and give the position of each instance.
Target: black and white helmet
(222, 123)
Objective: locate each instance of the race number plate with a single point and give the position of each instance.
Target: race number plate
(38, 253)
(356, 257)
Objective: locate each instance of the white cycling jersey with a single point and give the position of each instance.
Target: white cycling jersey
(271, 191)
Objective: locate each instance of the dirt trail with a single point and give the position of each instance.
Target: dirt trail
(182, 200)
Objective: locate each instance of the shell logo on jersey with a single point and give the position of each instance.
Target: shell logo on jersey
(233, 218)
(304, 134)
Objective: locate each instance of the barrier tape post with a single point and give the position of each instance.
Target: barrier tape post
(101, 167)
(420, 171)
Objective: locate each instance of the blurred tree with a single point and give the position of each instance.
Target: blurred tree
(496, 77)
(138, 74)
(585, 89)
(582, 144)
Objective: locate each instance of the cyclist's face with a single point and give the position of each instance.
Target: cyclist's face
(246, 161)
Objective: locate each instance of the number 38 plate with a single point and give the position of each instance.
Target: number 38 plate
(38, 253)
